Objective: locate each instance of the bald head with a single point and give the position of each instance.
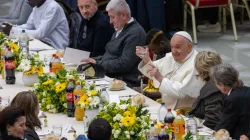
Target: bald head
(181, 46)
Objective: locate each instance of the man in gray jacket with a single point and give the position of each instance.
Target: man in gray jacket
(19, 13)
(120, 60)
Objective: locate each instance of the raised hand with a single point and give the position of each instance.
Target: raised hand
(143, 53)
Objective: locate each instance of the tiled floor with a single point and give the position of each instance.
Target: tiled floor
(235, 53)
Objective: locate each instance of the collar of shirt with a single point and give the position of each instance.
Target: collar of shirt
(119, 31)
(229, 92)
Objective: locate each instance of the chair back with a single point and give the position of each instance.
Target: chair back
(208, 3)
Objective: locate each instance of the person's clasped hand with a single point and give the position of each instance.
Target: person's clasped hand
(154, 72)
(89, 60)
(6, 27)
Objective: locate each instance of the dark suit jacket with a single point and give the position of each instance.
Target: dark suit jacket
(236, 113)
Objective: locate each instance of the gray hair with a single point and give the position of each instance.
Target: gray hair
(226, 74)
(119, 6)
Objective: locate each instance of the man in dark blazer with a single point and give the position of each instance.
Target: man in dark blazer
(236, 107)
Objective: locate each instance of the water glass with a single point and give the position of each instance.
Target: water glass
(47, 59)
(57, 129)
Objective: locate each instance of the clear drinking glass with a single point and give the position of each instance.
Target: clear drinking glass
(57, 129)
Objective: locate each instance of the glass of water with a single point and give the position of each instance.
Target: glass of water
(57, 129)
(47, 59)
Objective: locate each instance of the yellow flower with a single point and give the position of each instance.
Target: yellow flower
(48, 82)
(132, 109)
(33, 69)
(116, 125)
(39, 70)
(28, 72)
(14, 47)
(84, 99)
(129, 114)
(60, 87)
(128, 121)
(93, 92)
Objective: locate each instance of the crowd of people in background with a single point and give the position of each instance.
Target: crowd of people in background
(116, 41)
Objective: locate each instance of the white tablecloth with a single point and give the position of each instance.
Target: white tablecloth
(59, 118)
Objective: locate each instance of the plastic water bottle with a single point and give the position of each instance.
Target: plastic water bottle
(162, 112)
(153, 133)
(191, 125)
(24, 43)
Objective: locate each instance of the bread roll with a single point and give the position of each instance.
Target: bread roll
(138, 99)
(222, 133)
(116, 84)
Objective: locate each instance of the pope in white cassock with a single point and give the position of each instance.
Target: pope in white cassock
(174, 74)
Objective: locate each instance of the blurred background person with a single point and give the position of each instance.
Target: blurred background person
(207, 105)
(19, 13)
(27, 100)
(12, 124)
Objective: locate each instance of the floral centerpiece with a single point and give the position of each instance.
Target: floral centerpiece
(51, 90)
(5, 41)
(32, 67)
(127, 121)
(91, 99)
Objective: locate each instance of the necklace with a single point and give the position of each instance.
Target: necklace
(171, 74)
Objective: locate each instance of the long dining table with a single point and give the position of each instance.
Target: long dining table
(60, 118)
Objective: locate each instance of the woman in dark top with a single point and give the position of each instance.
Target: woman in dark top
(12, 124)
(208, 104)
(27, 100)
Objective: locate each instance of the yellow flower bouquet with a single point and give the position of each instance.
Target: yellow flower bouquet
(5, 41)
(32, 65)
(127, 121)
(51, 90)
(91, 99)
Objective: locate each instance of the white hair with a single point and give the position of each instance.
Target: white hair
(119, 6)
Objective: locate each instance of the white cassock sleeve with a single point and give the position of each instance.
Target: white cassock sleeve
(176, 89)
(188, 86)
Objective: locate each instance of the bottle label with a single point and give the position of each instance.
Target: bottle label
(69, 96)
(10, 64)
(179, 129)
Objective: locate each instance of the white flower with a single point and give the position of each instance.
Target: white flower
(44, 93)
(48, 106)
(117, 132)
(96, 100)
(69, 76)
(43, 100)
(65, 105)
(35, 86)
(121, 125)
(57, 83)
(51, 110)
(126, 132)
(113, 131)
(90, 99)
(115, 136)
(51, 106)
(54, 110)
(25, 65)
(128, 136)
(132, 132)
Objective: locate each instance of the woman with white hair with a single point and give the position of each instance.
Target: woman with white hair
(235, 116)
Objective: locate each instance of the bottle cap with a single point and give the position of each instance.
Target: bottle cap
(155, 121)
(152, 125)
(53, 55)
(9, 49)
(162, 126)
(178, 112)
(163, 103)
(169, 110)
(70, 79)
(56, 56)
(23, 31)
(78, 83)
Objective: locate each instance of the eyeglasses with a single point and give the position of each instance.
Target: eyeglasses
(84, 35)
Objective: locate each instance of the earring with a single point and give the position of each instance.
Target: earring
(8, 132)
